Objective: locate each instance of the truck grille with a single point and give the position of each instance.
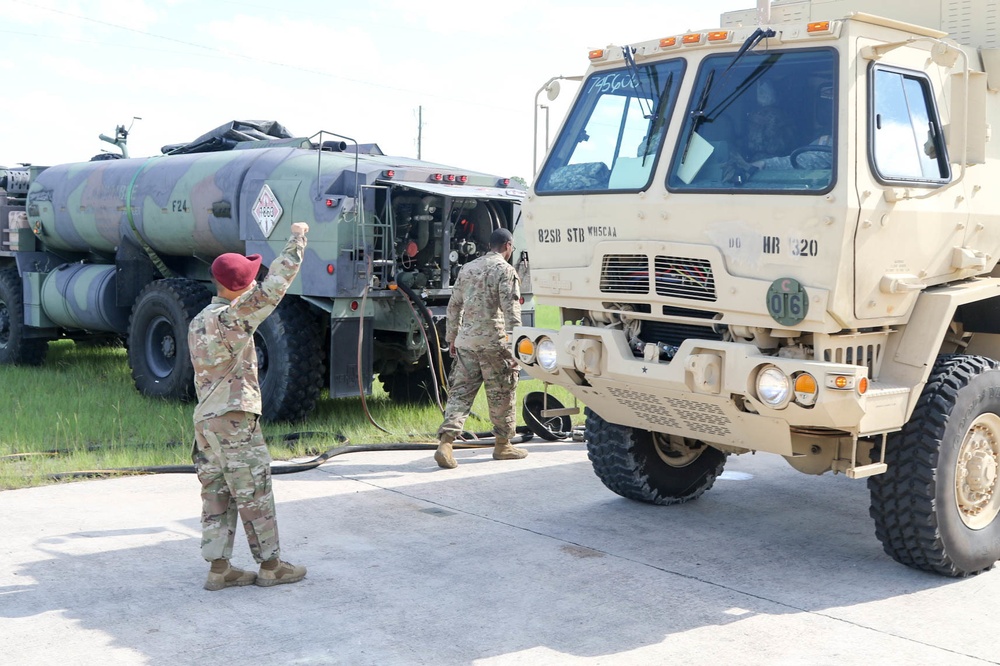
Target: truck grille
(625, 274)
(673, 333)
(681, 277)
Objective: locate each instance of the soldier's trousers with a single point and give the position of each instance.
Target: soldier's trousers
(470, 369)
(234, 468)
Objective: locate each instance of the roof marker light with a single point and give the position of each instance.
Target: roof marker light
(819, 27)
(692, 38)
(719, 36)
(596, 54)
(668, 42)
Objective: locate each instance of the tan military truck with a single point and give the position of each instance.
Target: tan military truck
(781, 235)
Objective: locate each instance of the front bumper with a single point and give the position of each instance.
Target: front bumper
(706, 392)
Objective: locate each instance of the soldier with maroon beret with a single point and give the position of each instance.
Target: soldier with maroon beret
(230, 455)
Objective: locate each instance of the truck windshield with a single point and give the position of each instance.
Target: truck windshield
(764, 124)
(610, 140)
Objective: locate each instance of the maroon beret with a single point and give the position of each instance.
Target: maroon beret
(234, 271)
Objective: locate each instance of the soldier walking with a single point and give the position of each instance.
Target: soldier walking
(485, 304)
(229, 453)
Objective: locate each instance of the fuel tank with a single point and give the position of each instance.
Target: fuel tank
(176, 204)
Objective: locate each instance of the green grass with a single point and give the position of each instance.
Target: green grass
(80, 411)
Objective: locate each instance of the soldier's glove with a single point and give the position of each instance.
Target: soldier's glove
(737, 170)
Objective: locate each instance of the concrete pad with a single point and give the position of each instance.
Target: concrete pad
(496, 562)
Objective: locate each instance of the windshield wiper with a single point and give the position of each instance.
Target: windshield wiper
(658, 116)
(753, 40)
(634, 71)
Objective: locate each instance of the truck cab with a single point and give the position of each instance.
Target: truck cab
(777, 235)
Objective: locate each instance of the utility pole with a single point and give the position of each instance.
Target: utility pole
(420, 128)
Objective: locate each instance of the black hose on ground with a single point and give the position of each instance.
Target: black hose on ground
(468, 440)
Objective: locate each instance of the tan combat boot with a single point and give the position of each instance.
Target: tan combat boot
(443, 454)
(276, 572)
(504, 451)
(221, 576)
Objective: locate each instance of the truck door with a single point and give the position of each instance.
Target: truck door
(906, 232)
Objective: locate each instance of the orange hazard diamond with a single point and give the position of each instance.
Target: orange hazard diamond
(266, 210)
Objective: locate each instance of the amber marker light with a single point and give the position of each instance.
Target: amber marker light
(862, 385)
(840, 382)
(596, 54)
(525, 350)
(718, 36)
(806, 389)
(692, 38)
(805, 383)
(668, 42)
(818, 26)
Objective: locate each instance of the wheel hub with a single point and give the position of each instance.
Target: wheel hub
(168, 347)
(675, 451)
(977, 489)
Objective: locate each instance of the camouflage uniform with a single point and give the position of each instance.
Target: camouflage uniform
(229, 453)
(485, 304)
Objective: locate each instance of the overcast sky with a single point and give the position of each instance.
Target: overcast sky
(76, 68)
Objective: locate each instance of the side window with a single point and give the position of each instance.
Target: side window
(906, 142)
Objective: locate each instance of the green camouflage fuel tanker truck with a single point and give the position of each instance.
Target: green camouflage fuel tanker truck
(781, 234)
(122, 247)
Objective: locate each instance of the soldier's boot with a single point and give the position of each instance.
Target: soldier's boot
(443, 455)
(222, 575)
(276, 572)
(504, 451)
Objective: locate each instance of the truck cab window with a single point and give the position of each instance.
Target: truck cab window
(612, 136)
(764, 122)
(906, 140)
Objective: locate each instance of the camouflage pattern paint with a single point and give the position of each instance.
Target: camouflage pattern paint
(83, 296)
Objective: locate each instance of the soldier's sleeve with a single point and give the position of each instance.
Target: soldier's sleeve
(510, 299)
(249, 310)
(454, 320)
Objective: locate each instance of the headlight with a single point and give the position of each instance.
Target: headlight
(545, 352)
(773, 387)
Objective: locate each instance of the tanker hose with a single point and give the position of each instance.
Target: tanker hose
(467, 441)
(361, 337)
(434, 359)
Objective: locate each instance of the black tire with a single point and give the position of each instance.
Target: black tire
(415, 387)
(15, 347)
(923, 504)
(157, 339)
(289, 361)
(633, 464)
(551, 428)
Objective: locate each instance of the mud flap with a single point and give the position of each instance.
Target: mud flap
(344, 356)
